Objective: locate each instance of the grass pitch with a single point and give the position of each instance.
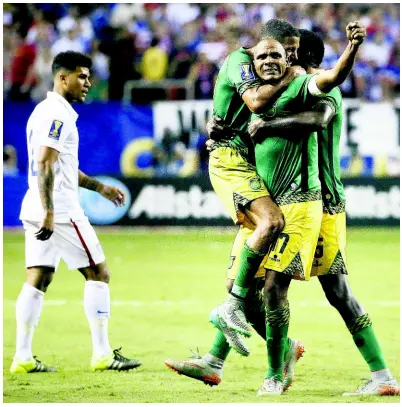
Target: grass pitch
(163, 285)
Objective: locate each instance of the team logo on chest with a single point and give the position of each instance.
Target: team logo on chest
(55, 129)
(246, 71)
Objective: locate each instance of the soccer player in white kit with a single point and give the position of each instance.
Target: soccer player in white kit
(55, 224)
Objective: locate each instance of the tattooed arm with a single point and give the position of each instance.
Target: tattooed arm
(47, 157)
(112, 193)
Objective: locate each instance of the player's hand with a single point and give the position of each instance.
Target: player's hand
(355, 32)
(114, 194)
(209, 143)
(254, 126)
(46, 227)
(217, 130)
(291, 73)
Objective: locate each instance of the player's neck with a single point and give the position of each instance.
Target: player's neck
(62, 93)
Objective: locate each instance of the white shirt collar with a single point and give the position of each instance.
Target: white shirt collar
(59, 98)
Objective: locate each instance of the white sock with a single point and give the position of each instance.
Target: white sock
(27, 312)
(382, 375)
(97, 310)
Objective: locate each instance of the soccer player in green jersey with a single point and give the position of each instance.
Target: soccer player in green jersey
(238, 92)
(329, 264)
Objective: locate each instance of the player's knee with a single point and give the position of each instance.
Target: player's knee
(270, 228)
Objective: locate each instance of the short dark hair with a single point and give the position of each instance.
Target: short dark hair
(278, 30)
(311, 50)
(70, 60)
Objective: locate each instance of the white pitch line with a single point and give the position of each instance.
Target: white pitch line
(184, 303)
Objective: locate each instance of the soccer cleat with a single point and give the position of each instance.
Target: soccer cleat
(196, 368)
(271, 387)
(233, 317)
(294, 354)
(376, 388)
(31, 366)
(114, 362)
(235, 340)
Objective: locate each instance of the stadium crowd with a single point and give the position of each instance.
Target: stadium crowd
(183, 41)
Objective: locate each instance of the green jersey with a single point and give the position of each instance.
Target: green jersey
(235, 77)
(289, 165)
(333, 195)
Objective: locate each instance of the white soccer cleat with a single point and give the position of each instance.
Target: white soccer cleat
(271, 387)
(295, 353)
(376, 388)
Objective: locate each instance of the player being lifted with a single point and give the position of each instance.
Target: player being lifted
(55, 224)
(233, 175)
(330, 256)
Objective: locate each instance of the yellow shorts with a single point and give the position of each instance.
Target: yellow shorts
(235, 181)
(294, 250)
(330, 254)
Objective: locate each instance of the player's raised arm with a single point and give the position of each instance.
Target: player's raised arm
(302, 123)
(46, 159)
(325, 81)
(111, 193)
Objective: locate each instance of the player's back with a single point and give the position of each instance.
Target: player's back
(52, 124)
(235, 77)
(289, 165)
(329, 158)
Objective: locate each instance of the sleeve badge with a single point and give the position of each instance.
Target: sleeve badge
(55, 129)
(246, 71)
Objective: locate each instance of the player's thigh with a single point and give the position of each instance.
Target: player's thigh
(235, 181)
(294, 249)
(39, 253)
(330, 253)
(78, 244)
(242, 235)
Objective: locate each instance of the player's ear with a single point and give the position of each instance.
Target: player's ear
(63, 77)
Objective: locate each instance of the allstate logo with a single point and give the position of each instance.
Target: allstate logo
(100, 210)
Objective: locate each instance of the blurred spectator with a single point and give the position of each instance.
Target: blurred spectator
(203, 74)
(122, 54)
(21, 63)
(40, 29)
(154, 62)
(70, 39)
(40, 74)
(10, 168)
(75, 17)
(99, 74)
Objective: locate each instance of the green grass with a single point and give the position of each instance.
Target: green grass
(166, 284)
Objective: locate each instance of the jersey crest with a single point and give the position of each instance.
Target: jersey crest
(246, 71)
(55, 129)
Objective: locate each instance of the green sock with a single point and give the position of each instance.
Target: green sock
(366, 341)
(277, 325)
(287, 347)
(250, 261)
(220, 347)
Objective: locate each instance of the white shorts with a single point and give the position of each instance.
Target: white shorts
(75, 242)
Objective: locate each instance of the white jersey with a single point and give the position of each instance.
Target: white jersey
(53, 124)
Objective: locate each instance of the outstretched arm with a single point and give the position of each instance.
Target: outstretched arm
(305, 122)
(328, 80)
